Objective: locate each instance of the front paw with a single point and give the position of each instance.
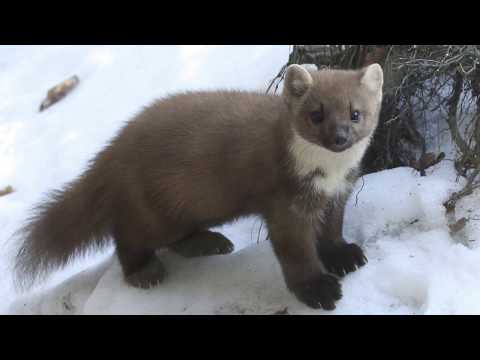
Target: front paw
(343, 259)
(319, 292)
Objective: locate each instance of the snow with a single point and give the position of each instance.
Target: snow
(415, 265)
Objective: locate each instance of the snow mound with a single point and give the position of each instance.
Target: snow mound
(414, 267)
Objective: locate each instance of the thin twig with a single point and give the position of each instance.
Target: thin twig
(359, 191)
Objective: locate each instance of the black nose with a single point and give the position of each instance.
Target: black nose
(340, 140)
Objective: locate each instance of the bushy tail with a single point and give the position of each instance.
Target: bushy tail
(68, 223)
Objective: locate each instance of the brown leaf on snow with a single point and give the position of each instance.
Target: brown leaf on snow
(7, 190)
(59, 91)
(458, 225)
(426, 160)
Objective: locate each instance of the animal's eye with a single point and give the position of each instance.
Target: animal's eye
(316, 117)
(355, 116)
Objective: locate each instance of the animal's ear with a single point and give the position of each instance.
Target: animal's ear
(372, 77)
(297, 80)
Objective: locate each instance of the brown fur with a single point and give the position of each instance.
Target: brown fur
(195, 160)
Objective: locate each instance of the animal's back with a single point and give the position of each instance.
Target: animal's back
(200, 155)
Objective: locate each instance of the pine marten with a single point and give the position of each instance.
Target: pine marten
(196, 160)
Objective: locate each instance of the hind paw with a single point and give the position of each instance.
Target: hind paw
(149, 276)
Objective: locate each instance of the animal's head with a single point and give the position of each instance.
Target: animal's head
(334, 108)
